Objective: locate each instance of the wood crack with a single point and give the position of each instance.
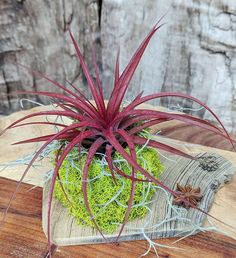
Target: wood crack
(66, 21)
(7, 88)
(99, 2)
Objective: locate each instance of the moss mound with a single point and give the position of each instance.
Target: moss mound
(108, 201)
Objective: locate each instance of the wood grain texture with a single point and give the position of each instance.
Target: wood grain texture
(176, 130)
(9, 153)
(193, 53)
(65, 231)
(22, 235)
(20, 240)
(34, 33)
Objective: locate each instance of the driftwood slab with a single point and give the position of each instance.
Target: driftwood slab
(223, 208)
(65, 231)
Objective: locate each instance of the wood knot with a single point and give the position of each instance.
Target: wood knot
(208, 163)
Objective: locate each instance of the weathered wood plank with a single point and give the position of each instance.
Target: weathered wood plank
(22, 235)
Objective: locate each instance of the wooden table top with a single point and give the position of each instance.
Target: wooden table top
(22, 234)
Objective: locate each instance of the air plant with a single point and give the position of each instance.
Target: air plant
(108, 126)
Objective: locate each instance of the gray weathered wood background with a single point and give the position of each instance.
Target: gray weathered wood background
(194, 53)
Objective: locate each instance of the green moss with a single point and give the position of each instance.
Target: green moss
(107, 200)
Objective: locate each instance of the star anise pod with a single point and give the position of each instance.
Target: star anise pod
(187, 196)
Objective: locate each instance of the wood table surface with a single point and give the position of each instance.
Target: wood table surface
(22, 235)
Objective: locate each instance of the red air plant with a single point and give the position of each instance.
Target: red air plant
(108, 128)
